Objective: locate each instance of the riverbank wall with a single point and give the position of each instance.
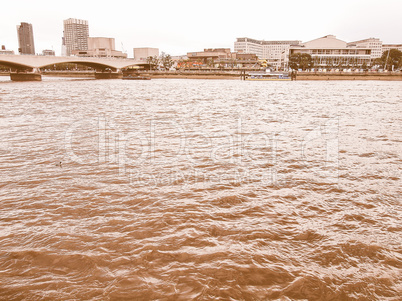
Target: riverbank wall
(235, 75)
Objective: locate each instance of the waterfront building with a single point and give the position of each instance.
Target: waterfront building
(276, 53)
(48, 52)
(5, 51)
(75, 36)
(386, 47)
(25, 39)
(220, 58)
(141, 54)
(210, 55)
(373, 43)
(100, 47)
(329, 52)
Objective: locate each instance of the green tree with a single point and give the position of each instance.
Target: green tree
(302, 61)
(166, 61)
(153, 62)
(391, 58)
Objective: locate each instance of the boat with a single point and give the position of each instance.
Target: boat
(257, 76)
(136, 77)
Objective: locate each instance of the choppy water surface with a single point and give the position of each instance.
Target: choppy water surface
(197, 189)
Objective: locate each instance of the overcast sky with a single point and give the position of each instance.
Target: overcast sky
(177, 27)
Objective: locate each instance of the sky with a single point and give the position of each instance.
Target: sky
(177, 27)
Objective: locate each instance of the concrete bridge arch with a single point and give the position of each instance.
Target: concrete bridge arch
(36, 61)
(33, 63)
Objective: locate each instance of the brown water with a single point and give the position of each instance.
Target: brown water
(197, 189)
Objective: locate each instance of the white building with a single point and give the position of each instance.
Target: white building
(75, 35)
(274, 52)
(329, 51)
(247, 45)
(141, 54)
(373, 43)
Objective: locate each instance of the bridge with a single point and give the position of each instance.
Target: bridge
(33, 63)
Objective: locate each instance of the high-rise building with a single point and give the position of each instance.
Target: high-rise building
(75, 35)
(25, 39)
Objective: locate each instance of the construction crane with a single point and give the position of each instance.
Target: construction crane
(122, 48)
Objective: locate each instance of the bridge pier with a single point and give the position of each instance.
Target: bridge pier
(24, 75)
(108, 75)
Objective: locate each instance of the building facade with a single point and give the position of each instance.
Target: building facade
(48, 52)
(247, 45)
(276, 53)
(25, 38)
(387, 47)
(328, 52)
(210, 55)
(373, 43)
(141, 54)
(75, 35)
(220, 58)
(3, 50)
(100, 47)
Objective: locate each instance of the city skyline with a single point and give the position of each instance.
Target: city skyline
(177, 28)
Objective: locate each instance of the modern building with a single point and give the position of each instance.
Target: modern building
(100, 47)
(386, 47)
(48, 52)
(247, 45)
(329, 51)
(274, 52)
(373, 43)
(210, 55)
(25, 39)
(220, 58)
(75, 36)
(5, 51)
(141, 54)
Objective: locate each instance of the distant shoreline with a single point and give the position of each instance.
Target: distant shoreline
(234, 75)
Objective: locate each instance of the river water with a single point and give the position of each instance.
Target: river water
(200, 189)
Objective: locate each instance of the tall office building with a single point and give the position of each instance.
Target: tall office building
(75, 35)
(25, 39)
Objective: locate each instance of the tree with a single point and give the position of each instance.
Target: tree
(153, 61)
(391, 58)
(166, 61)
(301, 61)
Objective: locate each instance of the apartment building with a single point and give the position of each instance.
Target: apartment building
(75, 35)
